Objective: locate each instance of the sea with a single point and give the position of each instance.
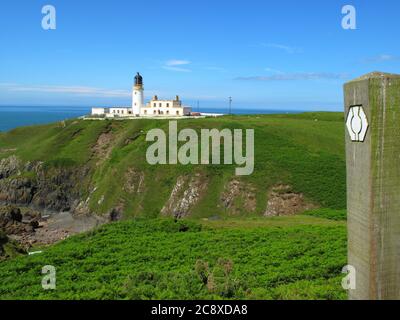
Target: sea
(12, 117)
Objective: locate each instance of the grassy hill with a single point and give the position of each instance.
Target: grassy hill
(221, 251)
(304, 151)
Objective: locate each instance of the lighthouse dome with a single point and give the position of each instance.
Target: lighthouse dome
(138, 80)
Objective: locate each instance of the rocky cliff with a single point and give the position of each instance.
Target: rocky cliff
(32, 184)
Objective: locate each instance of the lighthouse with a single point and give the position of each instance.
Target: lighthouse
(137, 95)
(154, 108)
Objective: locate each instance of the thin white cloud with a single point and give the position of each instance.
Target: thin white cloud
(74, 90)
(296, 76)
(176, 65)
(174, 62)
(382, 58)
(286, 48)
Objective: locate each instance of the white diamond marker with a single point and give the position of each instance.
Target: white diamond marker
(357, 124)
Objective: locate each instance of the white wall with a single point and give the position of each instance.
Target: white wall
(165, 104)
(121, 111)
(98, 111)
(164, 111)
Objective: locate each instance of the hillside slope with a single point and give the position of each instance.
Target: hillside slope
(100, 167)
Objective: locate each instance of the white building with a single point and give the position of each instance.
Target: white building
(155, 108)
(166, 108)
(99, 111)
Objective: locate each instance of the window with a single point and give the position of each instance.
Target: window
(167, 111)
(160, 104)
(145, 111)
(155, 105)
(167, 105)
(177, 113)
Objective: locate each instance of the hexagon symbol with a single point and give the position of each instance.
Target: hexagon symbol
(357, 123)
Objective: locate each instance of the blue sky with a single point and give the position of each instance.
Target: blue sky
(265, 54)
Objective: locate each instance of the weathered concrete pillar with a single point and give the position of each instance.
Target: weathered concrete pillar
(372, 115)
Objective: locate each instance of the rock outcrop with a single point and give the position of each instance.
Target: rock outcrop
(9, 166)
(13, 222)
(186, 193)
(26, 189)
(282, 201)
(239, 197)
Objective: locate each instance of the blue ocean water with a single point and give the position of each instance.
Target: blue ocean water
(12, 117)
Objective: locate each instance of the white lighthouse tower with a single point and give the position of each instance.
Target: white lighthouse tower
(137, 95)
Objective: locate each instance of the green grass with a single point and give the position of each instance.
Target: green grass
(328, 214)
(163, 259)
(305, 151)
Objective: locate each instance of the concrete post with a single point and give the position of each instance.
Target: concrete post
(372, 115)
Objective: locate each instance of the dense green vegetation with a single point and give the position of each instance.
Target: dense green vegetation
(328, 214)
(163, 259)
